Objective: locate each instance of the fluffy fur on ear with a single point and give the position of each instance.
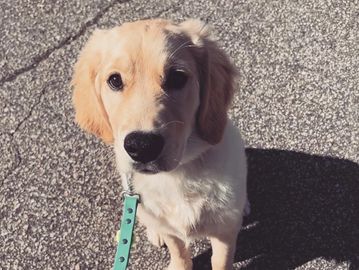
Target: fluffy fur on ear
(90, 113)
(196, 29)
(216, 82)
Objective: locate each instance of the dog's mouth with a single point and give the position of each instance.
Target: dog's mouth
(154, 167)
(147, 168)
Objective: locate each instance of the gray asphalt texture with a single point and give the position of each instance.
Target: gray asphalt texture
(296, 105)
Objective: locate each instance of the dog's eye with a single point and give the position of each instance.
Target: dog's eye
(115, 82)
(175, 79)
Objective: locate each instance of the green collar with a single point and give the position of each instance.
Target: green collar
(126, 228)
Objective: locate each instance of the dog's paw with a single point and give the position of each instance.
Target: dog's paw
(155, 238)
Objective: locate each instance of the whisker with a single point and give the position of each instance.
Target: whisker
(187, 44)
(178, 48)
(171, 122)
(193, 139)
(168, 123)
(167, 96)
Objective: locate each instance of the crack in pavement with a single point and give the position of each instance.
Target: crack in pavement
(18, 160)
(40, 58)
(42, 93)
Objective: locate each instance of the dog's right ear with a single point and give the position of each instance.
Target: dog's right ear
(90, 112)
(216, 73)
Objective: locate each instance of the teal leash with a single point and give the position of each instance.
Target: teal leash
(127, 225)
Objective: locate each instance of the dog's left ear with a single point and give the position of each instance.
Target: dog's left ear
(90, 112)
(216, 81)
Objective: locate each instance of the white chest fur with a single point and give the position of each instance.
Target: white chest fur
(199, 196)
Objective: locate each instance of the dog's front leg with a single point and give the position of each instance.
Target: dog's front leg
(155, 238)
(223, 249)
(180, 254)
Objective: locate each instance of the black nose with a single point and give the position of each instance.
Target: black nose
(143, 147)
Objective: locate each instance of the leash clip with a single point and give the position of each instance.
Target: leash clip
(129, 190)
(126, 193)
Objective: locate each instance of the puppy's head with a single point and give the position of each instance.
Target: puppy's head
(151, 87)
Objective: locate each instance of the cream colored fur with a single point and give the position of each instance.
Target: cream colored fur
(202, 190)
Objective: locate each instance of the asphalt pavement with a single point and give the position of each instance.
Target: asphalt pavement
(297, 105)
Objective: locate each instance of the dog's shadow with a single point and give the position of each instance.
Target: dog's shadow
(302, 207)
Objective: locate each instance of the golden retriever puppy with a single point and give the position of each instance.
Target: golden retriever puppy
(159, 91)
